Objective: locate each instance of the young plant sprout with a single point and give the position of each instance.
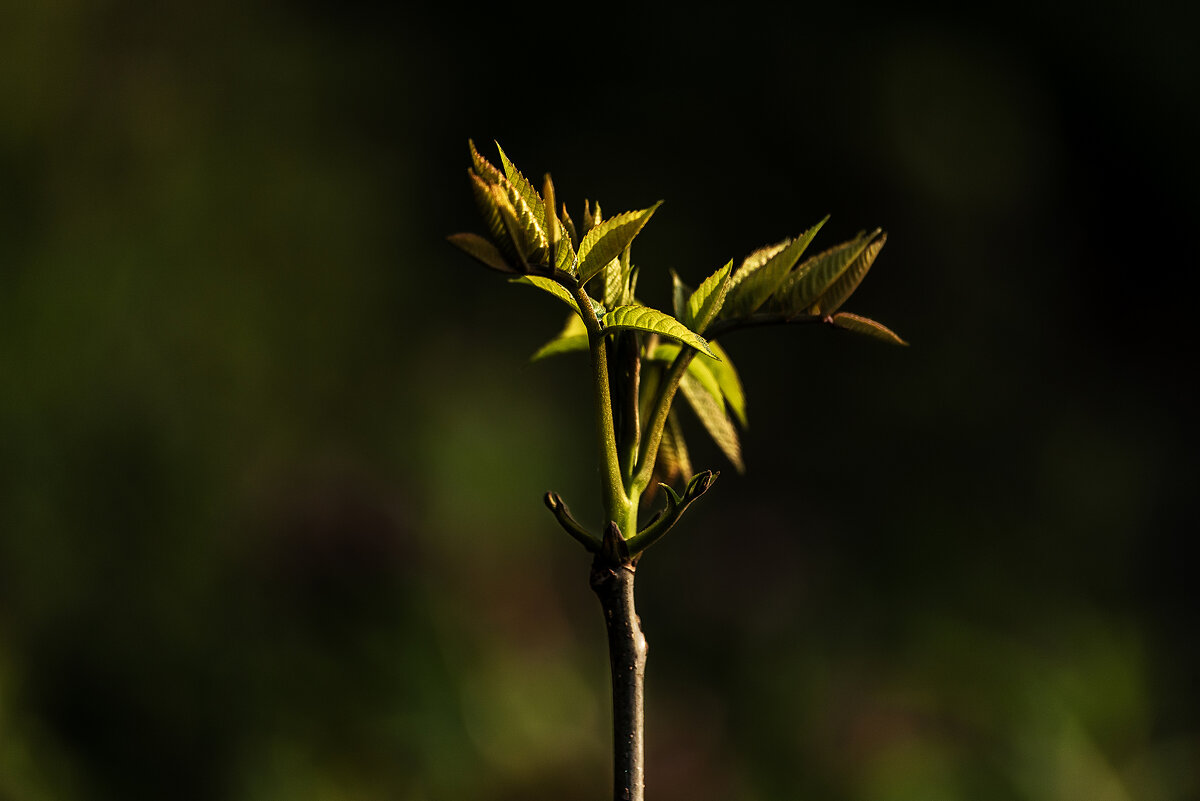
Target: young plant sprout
(641, 360)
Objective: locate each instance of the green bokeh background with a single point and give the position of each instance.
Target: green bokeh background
(271, 452)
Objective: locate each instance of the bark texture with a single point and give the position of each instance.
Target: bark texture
(612, 582)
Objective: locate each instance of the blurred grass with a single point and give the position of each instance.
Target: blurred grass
(272, 453)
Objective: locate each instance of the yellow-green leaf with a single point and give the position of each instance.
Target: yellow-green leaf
(754, 289)
(810, 280)
(712, 415)
(705, 303)
(490, 211)
(524, 188)
(698, 368)
(867, 327)
(727, 378)
(548, 285)
(832, 299)
(643, 318)
(605, 242)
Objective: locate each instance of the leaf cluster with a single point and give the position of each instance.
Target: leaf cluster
(651, 354)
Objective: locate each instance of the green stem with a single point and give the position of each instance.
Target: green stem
(615, 501)
(658, 421)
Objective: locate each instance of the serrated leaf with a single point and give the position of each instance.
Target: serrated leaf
(490, 211)
(524, 188)
(714, 419)
(840, 290)
(643, 318)
(564, 255)
(481, 250)
(752, 292)
(727, 378)
(605, 242)
(483, 168)
(867, 327)
(811, 279)
(548, 285)
(754, 261)
(705, 303)
(698, 368)
(526, 233)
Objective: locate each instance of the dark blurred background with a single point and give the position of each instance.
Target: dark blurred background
(271, 452)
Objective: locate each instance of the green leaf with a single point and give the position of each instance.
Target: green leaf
(680, 292)
(564, 256)
(698, 368)
(605, 242)
(841, 289)
(755, 261)
(643, 318)
(712, 415)
(481, 250)
(524, 188)
(548, 285)
(705, 303)
(526, 231)
(867, 327)
(616, 278)
(727, 378)
(754, 289)
(811, 279)
(572, 337)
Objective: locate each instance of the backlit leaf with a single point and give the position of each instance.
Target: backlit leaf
(727, 378)
(698, 368)
(867, 327)
(841, 289)
(680, 292)
(754, 261)
(811, 279)
(753, 290)
(524, 227)
(482, 250)
(524, 188)
(712, 415)
(569, 224)
(490, 211)
(484, 168)
(705, 303)
(548, 285)
(643, 318)
(605, 242)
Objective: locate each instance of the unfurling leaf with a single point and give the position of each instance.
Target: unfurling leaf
(841, 289)
(712, 415)
(643, 318)
(524, 188)
(616, 280)
(481, 250)
(805, 285)
(754, 289)
(569, 224)
(489, 209)
(605, 242)
(705, 303)
(680, 292)
(484, 168)
(527, 233)
(867, 327)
